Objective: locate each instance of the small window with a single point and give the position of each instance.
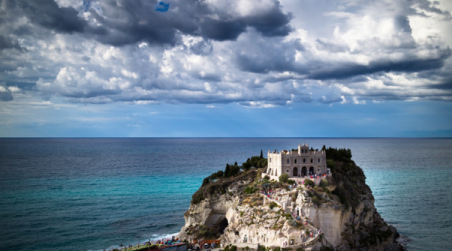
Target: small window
(287, 161)
(312, 160)
(318, 160)
(295, 161)
(304, 160)
(287, 170)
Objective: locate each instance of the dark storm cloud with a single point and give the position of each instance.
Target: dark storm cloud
(428, 6)
(263, 57)
(407, 65)
(445, 83)
(125, 22)
(222, 30)
(271, 23)
(48, 14)
(7, 43)
(138, 22)
(403, 23)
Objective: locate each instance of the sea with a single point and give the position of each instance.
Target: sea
(99, 193)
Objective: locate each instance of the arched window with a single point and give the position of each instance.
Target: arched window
(287, 161)
(295, 161)
(312, 160)
(304, 160)
(318, 160)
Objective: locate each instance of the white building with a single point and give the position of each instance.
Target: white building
(296, 163)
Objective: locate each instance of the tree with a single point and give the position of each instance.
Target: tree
(262, 154)
(284, 178)
(246, 165)
(227, 170)
(262, 163)
(255, 161)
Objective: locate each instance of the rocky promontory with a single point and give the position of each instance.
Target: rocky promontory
(331, 212)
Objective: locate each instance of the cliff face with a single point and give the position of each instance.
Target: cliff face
(341, 208)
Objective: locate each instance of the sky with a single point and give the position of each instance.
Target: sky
(225, 68)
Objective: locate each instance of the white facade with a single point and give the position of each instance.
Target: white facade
(296, 163)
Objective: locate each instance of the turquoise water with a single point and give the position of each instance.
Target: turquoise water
(94, 194)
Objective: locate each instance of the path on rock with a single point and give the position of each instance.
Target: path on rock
(311, 240)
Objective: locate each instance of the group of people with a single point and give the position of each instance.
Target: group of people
(318, 175)
(269, 193)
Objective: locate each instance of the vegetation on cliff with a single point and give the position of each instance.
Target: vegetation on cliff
(217, 183)
(348, 178)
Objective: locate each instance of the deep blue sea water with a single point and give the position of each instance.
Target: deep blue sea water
(94, 194)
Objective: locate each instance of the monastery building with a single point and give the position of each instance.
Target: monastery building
(296, 163)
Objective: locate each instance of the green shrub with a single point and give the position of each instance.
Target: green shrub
(272, 205)
(324, 183)
(217, 175)
(262, 163)
(250, 190)
(341, 194)
(291, 182)
(299, 249)
(315, 200)
(308, 182)
(231, 170)
(283, 178)
(330, 163)
(319, 189)
(287, 215)
(197, 197)
(233, 248)
(255, 161)
(338, 154)
(205, 181)
(246, 165)
(266, 177)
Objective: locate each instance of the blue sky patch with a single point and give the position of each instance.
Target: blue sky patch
(162, 7)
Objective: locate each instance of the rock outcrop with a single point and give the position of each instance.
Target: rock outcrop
(339, 214)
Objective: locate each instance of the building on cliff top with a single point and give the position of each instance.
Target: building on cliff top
(296, 163)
